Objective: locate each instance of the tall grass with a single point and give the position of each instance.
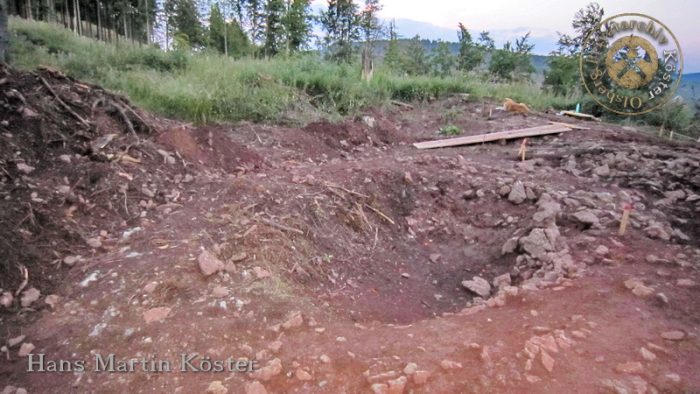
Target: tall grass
(210, 87)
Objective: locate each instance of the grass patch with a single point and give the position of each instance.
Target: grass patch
(207, 87)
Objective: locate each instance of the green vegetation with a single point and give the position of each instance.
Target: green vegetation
(450, 130)
(211, 87)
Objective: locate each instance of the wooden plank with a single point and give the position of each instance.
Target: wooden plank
(571, 126)
(502, 135)
(580, 115)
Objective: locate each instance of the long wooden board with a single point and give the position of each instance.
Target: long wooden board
(501, 135)
(580, 115)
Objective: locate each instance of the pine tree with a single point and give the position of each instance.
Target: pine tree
(187, 23)
(392, 57)
(442, 60)
(372, 30)
(470, 55)
(415, 59)
(297, 24)
(255, 14)
(274, 28)
(341, 24)
(217, 29)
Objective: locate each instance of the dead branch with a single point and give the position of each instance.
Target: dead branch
(380, 213)
(332, 186)
(63, 104)
(400, 104)
(281, 226)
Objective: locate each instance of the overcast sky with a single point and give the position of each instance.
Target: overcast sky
(507, 19)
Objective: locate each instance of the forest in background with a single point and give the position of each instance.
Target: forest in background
(343, 45)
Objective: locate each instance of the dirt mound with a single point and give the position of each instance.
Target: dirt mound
(345, 135)
(209, 146)
(76, 168)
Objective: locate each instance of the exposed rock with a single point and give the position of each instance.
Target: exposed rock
(435, 258)
(272, 369)
(94, 243)
(71, 260)
(537, 244)
(548, 211)
(502, 281)
(255, 388)
(217, 387)
(656, 230)
(647, 354)
(220, 292)
(296, 320)
(156, 314)
(448, 365)
(275, 346)
(517, 193)
(479, 286)
(398, 385)
(421, 377)
(638, 288)
(547, 361)
(26, 349)
(24, 168)
(410, 368)
(510, 246)
(586, 217)
(29, 297)
(261, 273)
(632, 367)
(380, 388)
(602, 250)
(673, 335)
(6, 299)
(302, 375)
(209, 264)
(602, 171)
(685, 283)
(12, 342)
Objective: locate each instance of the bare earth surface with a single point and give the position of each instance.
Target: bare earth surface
(339, 258)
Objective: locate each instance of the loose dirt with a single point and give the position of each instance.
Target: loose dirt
(339, 251)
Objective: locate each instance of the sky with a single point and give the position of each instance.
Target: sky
(509, 19)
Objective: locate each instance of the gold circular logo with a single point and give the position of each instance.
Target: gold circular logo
(631, 64)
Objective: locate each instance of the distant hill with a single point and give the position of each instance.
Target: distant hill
(538, 61)
(690, 87)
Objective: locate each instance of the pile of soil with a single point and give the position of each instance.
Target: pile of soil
(77, 164)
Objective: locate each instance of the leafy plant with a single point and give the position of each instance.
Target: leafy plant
(450, 130)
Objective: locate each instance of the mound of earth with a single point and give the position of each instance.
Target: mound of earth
(337, 257)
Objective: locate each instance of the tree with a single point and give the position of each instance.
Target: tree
(470, 55)
(3, 31)
(415, 59)
(341, 24)
(486, 42)
(217, 30)
(585, 21)
(513, 62)
(274, 28)
(372, 30)
(442, 60)
(187, 23)
(392, 57)
(255, 15)
(297, 24)
(562, 76)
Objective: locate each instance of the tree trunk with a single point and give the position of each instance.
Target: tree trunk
(99, 22)
(29, 9)
(3, 31)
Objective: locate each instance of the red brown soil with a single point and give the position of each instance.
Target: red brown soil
(314, 207)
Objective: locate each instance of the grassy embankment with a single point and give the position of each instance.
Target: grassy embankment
(210, 87)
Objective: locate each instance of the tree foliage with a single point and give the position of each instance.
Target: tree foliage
(513, 62)
(341, 25)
